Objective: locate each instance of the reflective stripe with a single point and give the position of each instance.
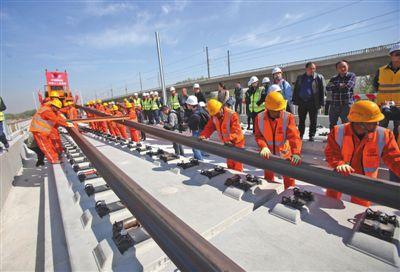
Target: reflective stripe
(339, 139)
(381, 140)
(389, 85)
(369, 170)
(284, 127)
(261, 122)
(228, 126)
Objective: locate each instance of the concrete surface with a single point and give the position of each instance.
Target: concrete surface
(10, 165)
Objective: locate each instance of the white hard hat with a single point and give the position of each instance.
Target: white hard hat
(276, 70)
(196, 86)
(252, 80)
(202, 104)
(145, 94)
(395, 47)
(192, 100)
(156, 93)
(136, 94)
(274, 88)
(265, 80)
(151, 93)
(172, 89)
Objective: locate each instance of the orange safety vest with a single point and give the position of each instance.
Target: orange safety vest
(40, 125)
(132, 115)
(389, 86)
(372, 151)
(224, 128)
(276, 140)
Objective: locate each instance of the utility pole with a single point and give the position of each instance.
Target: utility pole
(229, 64)
(112, 93)
(160, 62)
(126, 90)
(208, 62)
(140, 79)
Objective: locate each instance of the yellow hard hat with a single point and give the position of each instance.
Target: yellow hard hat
(125, 100)
(105, 104)
(99, 101)
(115, 107)
(128, 105)
(275, 101)
(54, 94)
(213, 106)
(56, 103)
(365, 111)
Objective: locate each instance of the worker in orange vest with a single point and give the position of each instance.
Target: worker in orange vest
(227, 123)
(276, 133)
(133, 117)
(43, 123)
(358, 146)
(102, 126)
(119, 129)
(71, 111)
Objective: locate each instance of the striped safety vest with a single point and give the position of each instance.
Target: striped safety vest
(40, 125)
(372, 151)
(276, 140)
(389, 86)
(174, 102)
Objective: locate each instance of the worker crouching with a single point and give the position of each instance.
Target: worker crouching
(227, 123)
(275, 132)
(358, 146)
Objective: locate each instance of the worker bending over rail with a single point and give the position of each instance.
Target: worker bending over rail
(358, 146)
(227, 123)
(276, 133)
(43, 124)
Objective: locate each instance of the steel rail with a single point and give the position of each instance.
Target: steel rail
(186, 248)
(99, 119)
(379, 191)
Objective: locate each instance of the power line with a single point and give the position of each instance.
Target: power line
(309, 35)
(291, 24)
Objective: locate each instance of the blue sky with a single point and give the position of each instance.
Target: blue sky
(105, 44)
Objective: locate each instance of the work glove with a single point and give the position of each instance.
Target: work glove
(295, 160)
(229, 143)
(265, 152)
(345, 169)
(201, 138)
(70, 124)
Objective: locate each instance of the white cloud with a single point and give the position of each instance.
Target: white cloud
(177, 6)
(136, 35)
(103, 9)
(292, 17)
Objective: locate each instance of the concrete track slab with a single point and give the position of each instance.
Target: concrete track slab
(262, 241)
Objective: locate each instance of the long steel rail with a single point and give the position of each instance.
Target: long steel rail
(379, 191)
(186, 248)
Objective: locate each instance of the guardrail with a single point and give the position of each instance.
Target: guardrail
(15, 128)
(186, 248)
(377, 190)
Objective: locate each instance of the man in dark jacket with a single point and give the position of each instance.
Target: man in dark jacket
(3, 138)
(308, 94)
(238, 98)
(198, 93)
(247, 98)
